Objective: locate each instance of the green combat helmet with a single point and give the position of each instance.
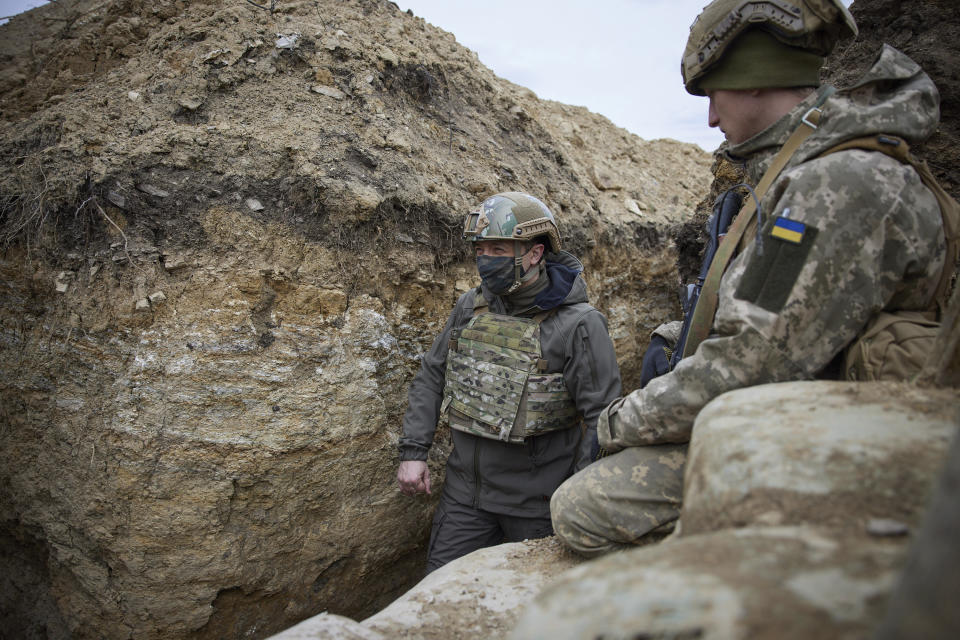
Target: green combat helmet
(512, 216)
(809, 27)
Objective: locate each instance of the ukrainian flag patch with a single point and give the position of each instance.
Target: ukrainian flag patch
(788, 230)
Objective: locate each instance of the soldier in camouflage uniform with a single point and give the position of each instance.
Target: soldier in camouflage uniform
(866, 236)
(522, 369)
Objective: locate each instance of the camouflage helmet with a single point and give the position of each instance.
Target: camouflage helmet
(512, 216)
(814, 26)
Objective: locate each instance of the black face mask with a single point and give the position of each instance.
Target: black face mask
(497, 273)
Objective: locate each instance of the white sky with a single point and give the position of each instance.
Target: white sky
(619, 58)
(13, 7)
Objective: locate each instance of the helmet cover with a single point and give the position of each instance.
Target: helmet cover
(810, 25)
(512, 216)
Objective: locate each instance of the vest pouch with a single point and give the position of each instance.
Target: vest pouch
(548, 406)
(483, 398)
(893, 346)
(495, 385)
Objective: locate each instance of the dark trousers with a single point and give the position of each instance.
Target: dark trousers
(459, 529)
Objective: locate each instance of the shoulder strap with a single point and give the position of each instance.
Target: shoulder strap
(480, 305)
(706, 309)
(543, 315)
(542, 365)
(898, 149)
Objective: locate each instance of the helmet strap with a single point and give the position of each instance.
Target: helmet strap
(519, 275)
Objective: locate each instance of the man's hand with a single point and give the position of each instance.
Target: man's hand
(414, 477)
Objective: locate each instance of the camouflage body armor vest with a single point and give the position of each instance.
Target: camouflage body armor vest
(496, 386)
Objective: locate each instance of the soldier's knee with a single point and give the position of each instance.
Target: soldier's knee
(582, 540)
(560, 509)
(562, 512)
(559, 501)
(571, 523)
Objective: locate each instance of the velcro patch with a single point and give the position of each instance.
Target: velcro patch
(769, 278)
(788, 230)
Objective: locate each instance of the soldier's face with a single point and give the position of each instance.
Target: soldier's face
(496, 248)
(507, 248)
(739, 113)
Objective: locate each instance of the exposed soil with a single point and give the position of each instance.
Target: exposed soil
(227, 236)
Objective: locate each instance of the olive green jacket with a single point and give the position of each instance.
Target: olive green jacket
(518, 479)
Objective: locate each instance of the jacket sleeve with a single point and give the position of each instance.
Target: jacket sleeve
(871, 239)
(426, 390)
(591, 374)
(669, 331)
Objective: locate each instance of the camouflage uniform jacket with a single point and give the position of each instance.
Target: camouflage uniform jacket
(518, 479)
(873, 241)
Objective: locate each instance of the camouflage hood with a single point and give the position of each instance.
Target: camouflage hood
(895, 97)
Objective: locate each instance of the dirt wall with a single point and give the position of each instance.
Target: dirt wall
(228, 235)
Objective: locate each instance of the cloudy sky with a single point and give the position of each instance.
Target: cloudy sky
(619, 58)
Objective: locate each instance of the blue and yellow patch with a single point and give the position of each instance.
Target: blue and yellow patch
(770, 276)
(788, 230)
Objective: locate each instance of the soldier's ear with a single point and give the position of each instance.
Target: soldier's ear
(537, 252)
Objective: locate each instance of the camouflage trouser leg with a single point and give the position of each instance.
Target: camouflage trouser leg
(616, 501)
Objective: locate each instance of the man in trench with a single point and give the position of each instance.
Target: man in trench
(522, 369)
(843, 238)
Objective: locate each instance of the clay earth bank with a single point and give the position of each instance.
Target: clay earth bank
(228, 234)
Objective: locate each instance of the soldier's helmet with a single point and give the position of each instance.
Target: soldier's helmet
(809, 26)
(512, 216)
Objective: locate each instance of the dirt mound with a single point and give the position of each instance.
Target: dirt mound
(354, 125)
(228, 235)
(393, 115)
